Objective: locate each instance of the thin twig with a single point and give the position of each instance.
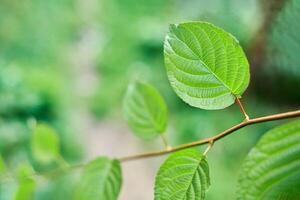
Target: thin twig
(280, 116)
(239, 103)
(210, 140)
(210, 145)
(165, 141)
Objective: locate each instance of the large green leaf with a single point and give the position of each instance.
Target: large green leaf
(206, 66)
(145, 110)
(101, 179)
(272, 168)
(184, 175)
(45, 144)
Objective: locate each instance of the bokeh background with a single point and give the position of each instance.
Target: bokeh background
(67, 63)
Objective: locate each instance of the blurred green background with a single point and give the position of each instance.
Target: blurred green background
(67, 63)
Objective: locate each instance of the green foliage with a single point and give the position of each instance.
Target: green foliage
(45, 144)
(184, 175)
(284, 41)
(282, 53)
(141, 47)
(206, 66)
(31, 34)
(272, 168)
(145, 110)
(27, 184)
(101, 179)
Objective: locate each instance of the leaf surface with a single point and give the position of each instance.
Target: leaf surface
(206, 66)
(272, 168)
(101, 179)
(145, 110)
(183, 176)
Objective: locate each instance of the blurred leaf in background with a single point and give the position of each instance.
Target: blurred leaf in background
(45, 144)
(27, 184)
(145, 110)
(2, 166)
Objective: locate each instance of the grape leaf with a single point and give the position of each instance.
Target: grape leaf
(145, 110)
(272, 168)
(206, 66)
(184, 175)
(101, 179)
(45, 144)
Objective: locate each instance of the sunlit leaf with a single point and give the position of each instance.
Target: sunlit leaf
(101, 179)
(272, 168)
(45, 144)
(184, 175)
(145, 110)
(26, 183)
(206, 66)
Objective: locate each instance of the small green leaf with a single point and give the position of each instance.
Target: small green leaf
(206, 66)
(145, 110)
(27, 184)
(272, 168)
(101, 179)
(45, 144)
(2, 166)
(184, 175)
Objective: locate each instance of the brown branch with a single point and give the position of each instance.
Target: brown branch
(209, 141)
(213, 139)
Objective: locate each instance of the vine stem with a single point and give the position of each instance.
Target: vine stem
(215, 138)
(239, 103)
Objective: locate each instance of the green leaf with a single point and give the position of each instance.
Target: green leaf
(45, 144)
(184, 175)
(27, 184)
(145, 110)
(2, 166)
(101, 179)
(272, 168)
(206, 66)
